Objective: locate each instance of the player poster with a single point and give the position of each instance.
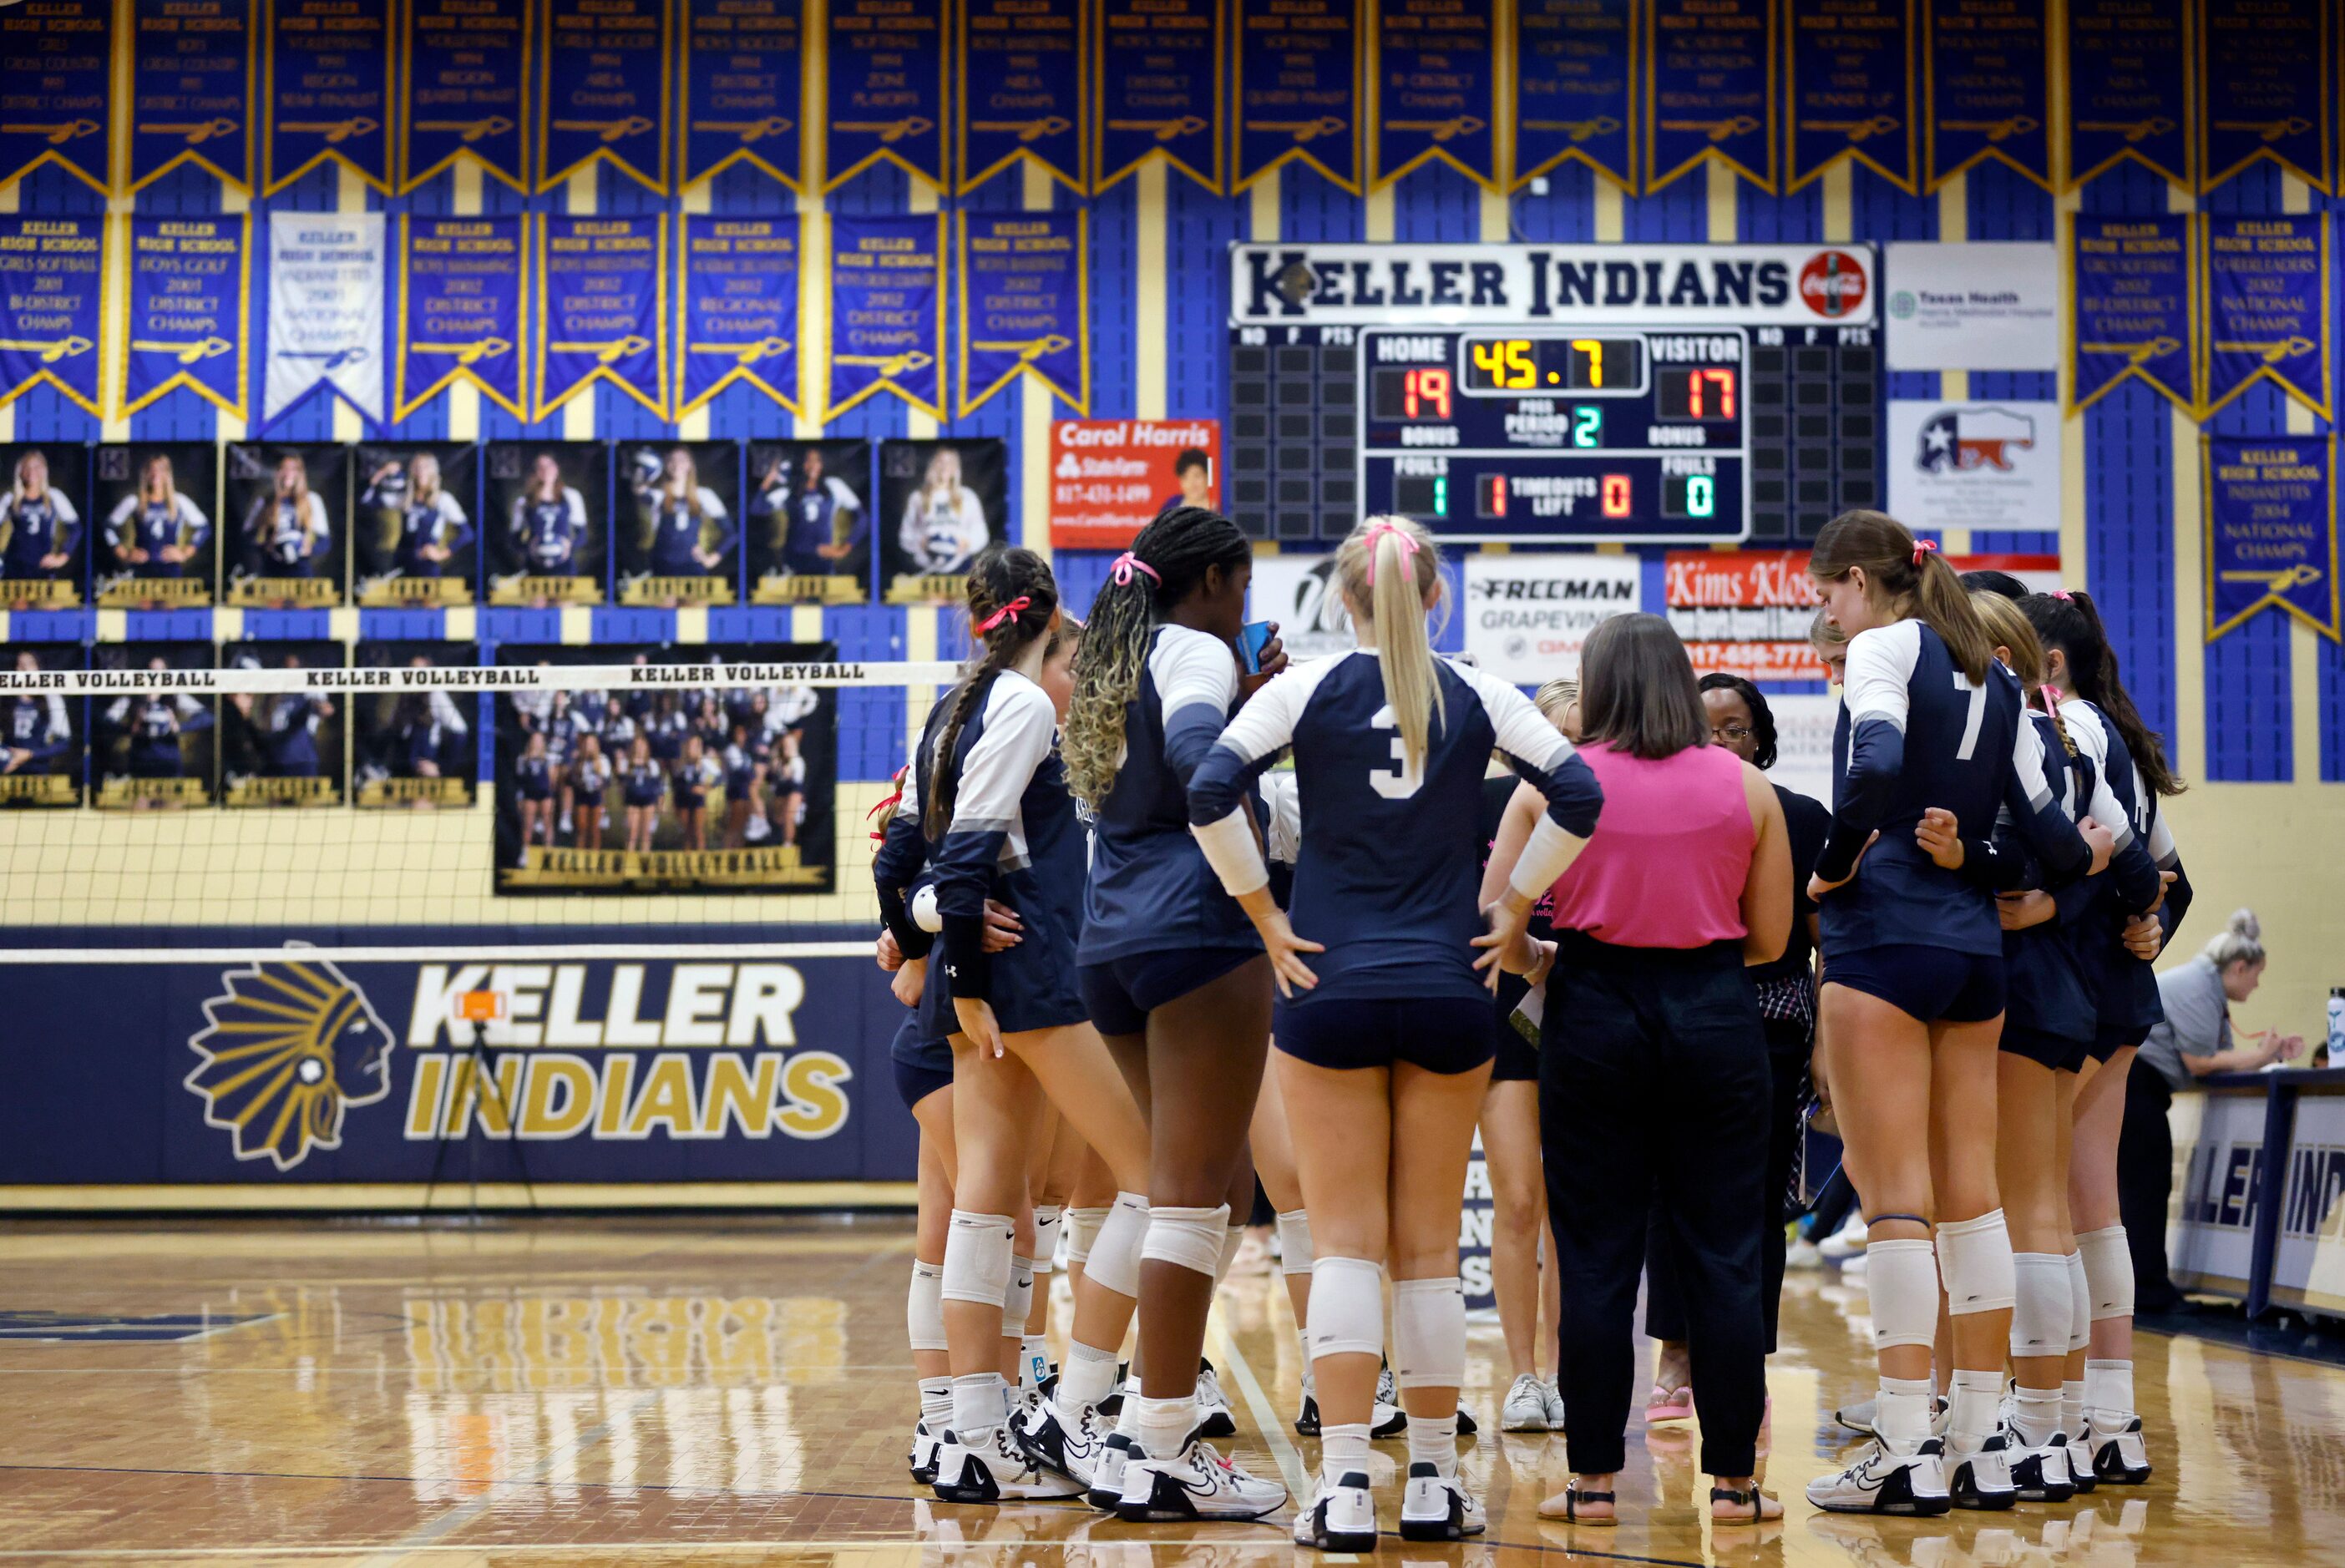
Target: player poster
(414, 751)
(152, 749)
(282, 748)
(284, 510)
(545, 511)
(706, 786)
(941, 504)
(415, 525)
(809, 523)
(155, 546)
(44, 525)
(679, 522)
(40, 734)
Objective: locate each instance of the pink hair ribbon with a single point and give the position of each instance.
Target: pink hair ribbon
(1376, 530)
(2064, 595)
(1015, 607)
(1923, 546)
(1119, 572)
(2052, 695)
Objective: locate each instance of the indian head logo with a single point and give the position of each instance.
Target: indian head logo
(290, 1046)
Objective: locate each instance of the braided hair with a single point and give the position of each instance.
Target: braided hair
(997, 579)
(1169, 559)
(2069, 622)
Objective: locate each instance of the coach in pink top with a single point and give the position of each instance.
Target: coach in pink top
(1651, 1040)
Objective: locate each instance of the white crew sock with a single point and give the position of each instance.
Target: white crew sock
(1974, 1407)
(1902, 1412)
(1344, 1449)
(1165, 1424)
(937, 1404)
(2072, 1407)
(2108, 1391)
(1085, 1379)
(1435, 1441)
(978, 1407)
(2035, 1415)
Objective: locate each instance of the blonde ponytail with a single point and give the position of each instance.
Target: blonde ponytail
(1388, 567)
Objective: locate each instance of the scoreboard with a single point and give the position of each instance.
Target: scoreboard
(1529, 394)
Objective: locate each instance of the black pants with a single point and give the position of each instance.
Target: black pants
(2145, 1183)
(1647, 1050)
(1787, 1045)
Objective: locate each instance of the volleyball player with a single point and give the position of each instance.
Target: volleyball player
(39, 527)
(287, 530)
(2116, 950)
(533, 788)
(549, 521)
(686, 528)
(646, 786)
(158, 530)
(1914, 996)
(1385, 1040)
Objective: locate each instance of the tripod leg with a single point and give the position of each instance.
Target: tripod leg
(494, 1088)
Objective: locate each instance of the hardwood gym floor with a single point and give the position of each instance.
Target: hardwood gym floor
(658, 1391)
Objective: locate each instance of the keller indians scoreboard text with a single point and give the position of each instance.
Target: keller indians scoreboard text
(1554, 394)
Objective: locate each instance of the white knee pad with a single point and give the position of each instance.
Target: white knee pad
(2040, 1307)
(977, 1257)
(1017, 1299)
(1190, 1237)
(924, 1307)
(2108, 1272)
(1429, 1333)
(1347, 1307)
(2080, 1305)
(1233, 1238)
(1902, 1278)
(1293, 1241)
(1082, 1234)
(1115, 1255)
(1047, 1219)
(1974, 1260)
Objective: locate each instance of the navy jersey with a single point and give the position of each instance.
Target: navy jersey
(437, 523)
(534, 776)
(646, 782)
(1150, 889)
(1496, 793)
(1915, 733)
(694, 779)
(591, 775)
(667, 732)
(812, 517)
(899, 864)
(1388, 868)
(677, 531)
(289, 535)
(2125, 988)
(291, 736)
(2044, 981)
(157, 526)
(34, 530)
(740, 772)
(550, 531)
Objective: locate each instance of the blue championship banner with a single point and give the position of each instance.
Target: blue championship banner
(1710, 89)
(602, 89)
(58, 114)
(737, 308)
(886, 310)
(1025, 285)
(1986, 87)
(326, 95)
(2130, 280)
(2271, 530)
(1020, 66)
(1433, 88)
(192, 66)
(2127, 64)
(744, 63)
(602, 308)
(1848, 89)
(2266, 313)
(2267, 89)
(464, 296)
(189, 312)
(1160, 88)
(1298, 89)
(463, 85)
(1576, 88)
(883, 71)
(52, 293)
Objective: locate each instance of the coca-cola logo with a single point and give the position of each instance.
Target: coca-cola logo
(1833, 284)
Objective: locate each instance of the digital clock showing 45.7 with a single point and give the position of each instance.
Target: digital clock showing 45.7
(1539, 367)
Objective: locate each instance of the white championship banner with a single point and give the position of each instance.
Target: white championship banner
(474, 678)
(325, 272)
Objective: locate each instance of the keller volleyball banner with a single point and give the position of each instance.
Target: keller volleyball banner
(2130, 287)
(1576, 84)
(1024, 288)
(886, 310)
(1297, 89)
(737, 308)
(52, 307)
(2271, 530)
(2128, 79)
(1848, 89)
(602, 89)
(189, 315)
(463, 85)
(326, 277)
(192, 69)
(2267, 89)
(1711, 67)
(326, 90)
(464, 293)
(2265, 314)
(1432, 75)
(1020, 66)
(602, 308)
(1158, 71)
(742, 89)
(885, 84)
(59, 113)
(1986, 84)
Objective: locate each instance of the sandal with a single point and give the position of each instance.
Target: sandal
(1757, 1502)
(1669, 1404)
(1565, 1505)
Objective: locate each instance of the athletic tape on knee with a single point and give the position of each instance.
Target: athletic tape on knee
(1047, 1218)
(2080, 1305)
(1902, 1278)
(1293, 1241)
(924, 1307)
(1189, 1238)
(1017, 1299)
(2109, 1272)
(1082, 1234)
(1233, 1238)
(1974, 1260)
(977, 1257)
(1429, 1333)
(2040, 1307)
(1115, 1256)
(1347, 1307)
